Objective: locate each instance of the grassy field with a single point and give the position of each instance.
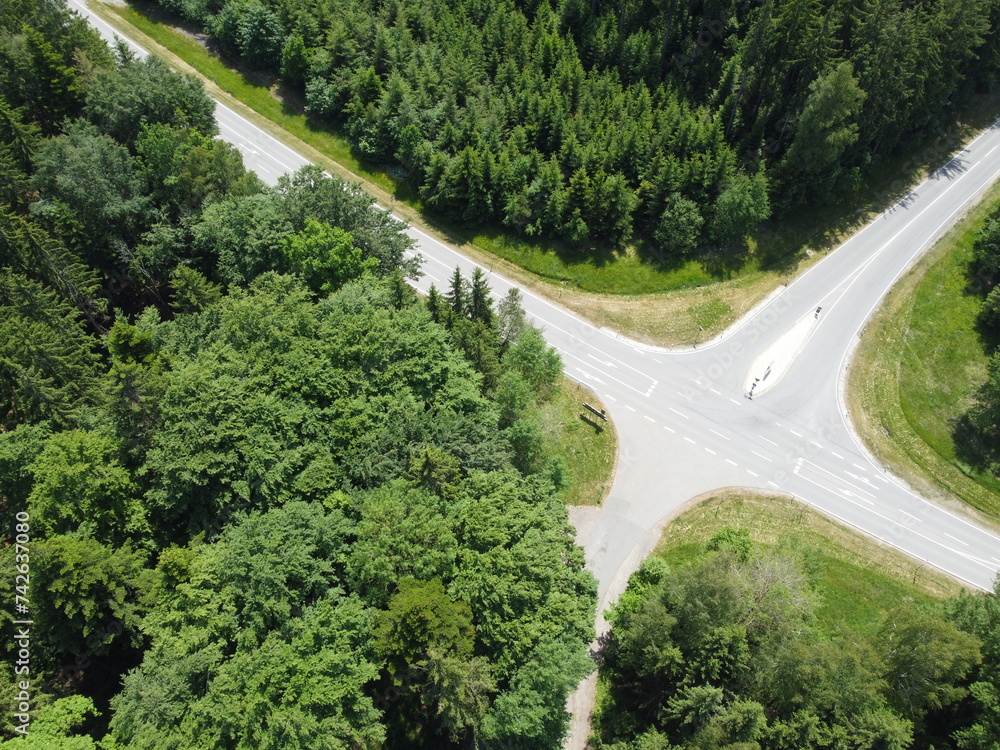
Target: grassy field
(589, 446)
(918, 368)
(858, 578)
(623, 290)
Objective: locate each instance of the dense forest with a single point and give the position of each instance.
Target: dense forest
(271, 498)
(726, 652)
(274, 500)
(686, 123)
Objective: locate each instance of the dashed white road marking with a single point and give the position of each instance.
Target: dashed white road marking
(837, 455)
(848, 493)
(711, 451)
(966, 544)
(864, 480)
(753, 474)
(610, 398)
(669, 429)
(603, 362)
(718, 433)
(735, 401)
(772, 484)
(717, 393)
(769, 441)
(731, 461)
(971, 558)
(588, 376)
(646, 416)
(838, 478)
(690, 441)
(797, 434)
(630, 408)
(762, 456)
(817, 444)
(678, 413)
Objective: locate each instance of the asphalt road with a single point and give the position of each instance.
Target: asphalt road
(684, 421)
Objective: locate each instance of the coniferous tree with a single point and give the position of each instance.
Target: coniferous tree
(458, 293)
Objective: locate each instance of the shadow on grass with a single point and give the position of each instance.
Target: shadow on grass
(660, 259)
(598, 428)
(986, 330)
(975, 453)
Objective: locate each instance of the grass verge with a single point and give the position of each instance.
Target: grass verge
(917, 369)
(589, 446)
(858, 578)
(665, 306)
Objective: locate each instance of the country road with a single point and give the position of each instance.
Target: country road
(684, 421)
(760, 406)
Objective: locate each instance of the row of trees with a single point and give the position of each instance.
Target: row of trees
(275, 501)
(590, 121)
(726, 653)
(977, 432)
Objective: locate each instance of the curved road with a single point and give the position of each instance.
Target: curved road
(684, 421)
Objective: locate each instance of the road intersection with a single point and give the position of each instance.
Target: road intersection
(685, 423)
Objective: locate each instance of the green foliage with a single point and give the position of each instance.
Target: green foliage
(54, 728)
(47, 362)
(737, 541)
(986, 252)
(585, 122)
(511, 320)
(679, 229)
(421, 619)
(81, 488)
(723, 652)
(378, 561)
(330, 200)
(33, 252)
(259, 35)
(526, 444)
(325, 256)
(86, 598)
(303, 686)
(979, 616)
(256, 642)
(18, 450)
(43, 78)
(182, 169)
(144, 92)
(212, 502)
(989, 312)
(925, 656)
(240, 237)
(742, 205)
(826, 129)
(192, 292)
(20, 135)
(92, 178)
(539, 363)
(707, 653)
